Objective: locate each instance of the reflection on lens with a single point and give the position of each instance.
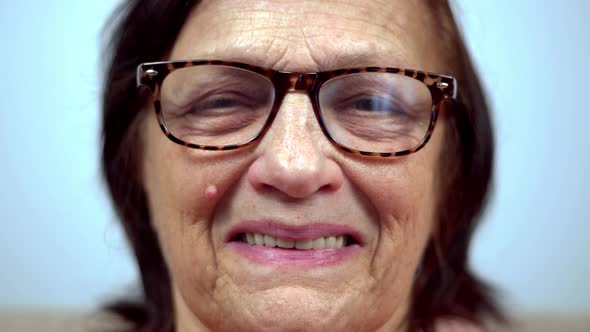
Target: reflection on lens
(215, 105)
(376, 112)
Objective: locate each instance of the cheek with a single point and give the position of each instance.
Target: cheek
(183, 184)
(403, 193)
(179, 184)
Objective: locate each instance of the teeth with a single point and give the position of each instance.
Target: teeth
(328, 242)
(339, 241)
(250, 238)
(303, 244)
(259, 239)
(319, 243)
(285, 243)
(269, 241)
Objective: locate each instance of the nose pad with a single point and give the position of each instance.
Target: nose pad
(291, 162)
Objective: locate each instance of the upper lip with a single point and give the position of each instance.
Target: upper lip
(308, 231)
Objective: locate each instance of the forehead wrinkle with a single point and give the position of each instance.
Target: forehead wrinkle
(354, 54)
(256, 34)
(275, 53)
(267, 54)
(384, 28)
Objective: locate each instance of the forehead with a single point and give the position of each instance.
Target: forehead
(311, 35)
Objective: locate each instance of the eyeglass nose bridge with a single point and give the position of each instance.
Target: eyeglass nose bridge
(288, 82)
(301, 82)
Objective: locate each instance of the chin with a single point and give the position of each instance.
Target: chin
(291, 309)
(297, 309)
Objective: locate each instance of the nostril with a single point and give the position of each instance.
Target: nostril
(331, 187)
(295, 183)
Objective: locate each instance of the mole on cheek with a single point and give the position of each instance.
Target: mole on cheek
(211, 192)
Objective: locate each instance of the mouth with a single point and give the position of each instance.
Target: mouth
(319, 243)
(316, 244)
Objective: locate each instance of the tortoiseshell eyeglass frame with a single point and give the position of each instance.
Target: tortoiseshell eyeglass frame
(441, 87)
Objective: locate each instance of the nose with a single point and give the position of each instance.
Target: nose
(292, 161)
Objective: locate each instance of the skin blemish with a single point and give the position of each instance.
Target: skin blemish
(211, 192)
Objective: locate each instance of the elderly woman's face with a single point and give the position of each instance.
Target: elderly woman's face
(294, 185)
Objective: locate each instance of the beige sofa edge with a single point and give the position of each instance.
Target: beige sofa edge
(12, 320)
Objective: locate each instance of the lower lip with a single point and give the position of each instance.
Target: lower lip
(294, 257)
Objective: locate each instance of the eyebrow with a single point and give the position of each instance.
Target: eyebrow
(346, 60)
(362, 55)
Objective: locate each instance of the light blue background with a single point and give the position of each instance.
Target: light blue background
(60, 246)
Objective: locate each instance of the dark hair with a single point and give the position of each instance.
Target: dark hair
(145, 30)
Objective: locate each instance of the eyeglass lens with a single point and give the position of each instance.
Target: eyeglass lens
(220, 105)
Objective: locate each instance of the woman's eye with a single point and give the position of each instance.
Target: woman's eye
(373, 104)
(377, 104)
(220, 103)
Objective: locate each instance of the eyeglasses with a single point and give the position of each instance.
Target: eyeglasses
(220, 105)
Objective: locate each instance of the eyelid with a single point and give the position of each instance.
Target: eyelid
(393, 98)
(190, 99)
(228, 96)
